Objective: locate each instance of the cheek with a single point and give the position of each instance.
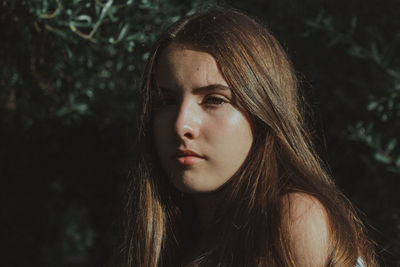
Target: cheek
(232, 137)
(235, 127)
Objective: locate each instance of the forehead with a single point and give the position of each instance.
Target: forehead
(174, 52)
(179, 66)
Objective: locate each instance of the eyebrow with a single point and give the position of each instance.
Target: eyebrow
(202, 89)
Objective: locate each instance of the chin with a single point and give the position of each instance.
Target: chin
(190, 187)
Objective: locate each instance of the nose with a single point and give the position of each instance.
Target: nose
(188, 120)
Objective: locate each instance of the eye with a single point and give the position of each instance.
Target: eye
(214, 100)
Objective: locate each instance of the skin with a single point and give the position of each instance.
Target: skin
(309, 229)
(197, 112)
(188, 116)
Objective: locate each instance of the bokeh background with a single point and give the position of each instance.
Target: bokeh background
(69, 99)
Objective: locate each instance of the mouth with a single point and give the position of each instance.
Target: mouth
(187, 157)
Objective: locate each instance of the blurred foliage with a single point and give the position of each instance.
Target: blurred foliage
(371, 50)
(379, 128)
(69, 101)
(108, 40)
(69, 94)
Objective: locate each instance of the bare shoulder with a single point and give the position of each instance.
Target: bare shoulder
(308, 229)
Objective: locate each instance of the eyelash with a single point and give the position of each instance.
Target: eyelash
(220, 101)
(208, 100)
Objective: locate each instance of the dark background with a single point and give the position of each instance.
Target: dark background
(69, 80)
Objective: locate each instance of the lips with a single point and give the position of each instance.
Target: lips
(187, 157)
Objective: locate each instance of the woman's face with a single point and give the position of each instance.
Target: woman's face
(200, 136)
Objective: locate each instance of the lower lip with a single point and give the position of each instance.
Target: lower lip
(189, 160)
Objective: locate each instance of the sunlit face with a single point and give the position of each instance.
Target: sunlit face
(200, 136)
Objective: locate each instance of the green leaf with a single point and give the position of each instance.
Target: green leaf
(375, 53)
(356, 51)
(122, 33)
(382, 158)
(391, 145)
(393, 169)
(397, 163)
(354, 22)
(372, 105)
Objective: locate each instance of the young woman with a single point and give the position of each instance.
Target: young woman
(226, 173)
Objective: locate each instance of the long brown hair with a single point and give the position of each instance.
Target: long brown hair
(248, 229)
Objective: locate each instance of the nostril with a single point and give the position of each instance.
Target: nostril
(188, 135)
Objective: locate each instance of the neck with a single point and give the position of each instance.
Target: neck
(206, 204)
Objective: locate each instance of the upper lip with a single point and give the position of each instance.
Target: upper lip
(186, 152)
